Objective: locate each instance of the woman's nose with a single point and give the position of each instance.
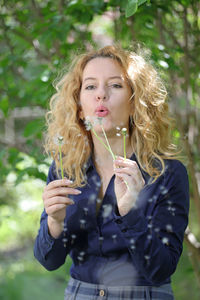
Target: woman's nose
(101, 94)
(101, 97)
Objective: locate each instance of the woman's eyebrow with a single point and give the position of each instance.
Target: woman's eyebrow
(112, 77)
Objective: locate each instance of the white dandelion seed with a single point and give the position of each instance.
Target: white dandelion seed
(132, 241)
(88, 123)
(107, 209)
(147, 257)
(165, 241)
(169, 228)
(82, 223)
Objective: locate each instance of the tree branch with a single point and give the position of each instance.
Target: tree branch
(194, 252)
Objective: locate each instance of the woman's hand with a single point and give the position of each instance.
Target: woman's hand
(128, 183)
(55, 198)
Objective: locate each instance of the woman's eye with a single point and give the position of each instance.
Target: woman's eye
(116, 85)
(90, 87)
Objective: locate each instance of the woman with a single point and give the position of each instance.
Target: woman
(121, 217)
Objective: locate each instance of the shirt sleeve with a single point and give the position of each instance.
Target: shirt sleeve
(50, 252)
(155, 241)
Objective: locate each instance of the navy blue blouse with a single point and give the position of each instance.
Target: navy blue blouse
(141, 248)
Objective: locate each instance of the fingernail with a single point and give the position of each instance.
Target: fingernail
(78, 192)
(69, 181)
(71, 202)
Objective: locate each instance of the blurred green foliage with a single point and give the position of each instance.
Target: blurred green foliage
(38, 40)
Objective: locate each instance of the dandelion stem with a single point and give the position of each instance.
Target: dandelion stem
(126, 183)
(100, 139)
(124, 132)
(113, 156)
(61, 164)
(124, 146)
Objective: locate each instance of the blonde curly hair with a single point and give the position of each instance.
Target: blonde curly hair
(150, 126)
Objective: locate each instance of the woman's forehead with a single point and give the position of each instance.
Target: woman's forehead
(101, 65)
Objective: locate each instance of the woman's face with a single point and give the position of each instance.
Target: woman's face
(105, 93)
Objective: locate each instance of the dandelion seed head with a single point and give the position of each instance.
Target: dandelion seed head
(60, 139)
(124, 131)
(88, 123)
(91, 121)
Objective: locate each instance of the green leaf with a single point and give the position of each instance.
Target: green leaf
(131, 8)
(4, 106)
(31, 172)
(140, 2)
(13, 156)
(34, 128)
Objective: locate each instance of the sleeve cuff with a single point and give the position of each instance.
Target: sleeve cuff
(47, 240)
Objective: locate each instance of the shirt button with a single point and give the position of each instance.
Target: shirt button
(118, 221)
(101, 293)
(124, 230)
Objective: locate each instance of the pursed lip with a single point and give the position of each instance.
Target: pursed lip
(101, 109)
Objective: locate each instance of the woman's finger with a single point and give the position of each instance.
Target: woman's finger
(51, 210)
(126, 163)
(58, 200)
(58, 183)
(134, 172)
(133, 182)
(62, 192)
